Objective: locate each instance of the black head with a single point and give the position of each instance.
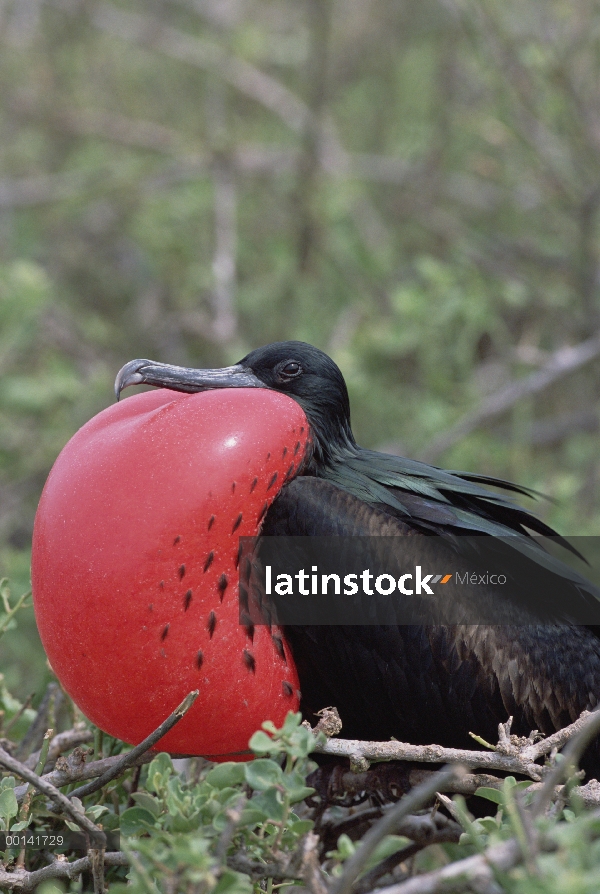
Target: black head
(292, 367)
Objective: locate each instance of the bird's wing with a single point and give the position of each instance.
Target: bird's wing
(402, 483)
(431, 683)
(453, 503)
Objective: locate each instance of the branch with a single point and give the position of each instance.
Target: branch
(258, 870)
(551, 152)
(417, 827)
(18, 192)
(23, 882)
(197, 51)
(359, 751)
(588, 729)
(290, 109)
(445, 835)
(589, 794)
(74, 769)
(482, 868)
(310, 868)
(389, 823)
(512, 754)
(70, 738)
(128, 760)
(24, 192)
(108, 124)
(564, 361)
(97, 836)
(223, 324)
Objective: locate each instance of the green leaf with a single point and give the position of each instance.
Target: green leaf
(232, 882)
(159, 772)
(254, 815)
(110, 823)
(491, 794)
(299, 794)
(179, 822)
(96, 811)
(345, 848)
(148, 802)
(270, 802)
(136, 820)
(523, 785)
(488, 824)
(509, 783)
(262, 774)
(292, 723)
(301, 827)
(261, 743)
(8, 804)
(391, 844)
(227, 774)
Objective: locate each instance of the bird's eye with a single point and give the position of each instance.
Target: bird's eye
(289, 370)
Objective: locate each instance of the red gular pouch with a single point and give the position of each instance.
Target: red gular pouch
(135, 565)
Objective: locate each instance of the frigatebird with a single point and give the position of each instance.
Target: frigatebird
(420, 682)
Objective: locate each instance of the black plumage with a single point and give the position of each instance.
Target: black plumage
(421, 682)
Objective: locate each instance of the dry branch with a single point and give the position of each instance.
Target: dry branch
(96, 834)
(23, 882)
(478, 870)
(249, 80)
(511, 755)
(129, 759)
(562, 362)
(389, 823)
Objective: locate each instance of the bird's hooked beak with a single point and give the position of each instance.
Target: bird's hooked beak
(181, 378)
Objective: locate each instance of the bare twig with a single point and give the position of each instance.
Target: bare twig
(23, 882)
(478, 870)
(104, 123)
(129, 759)
(70, 738)
(589, 794)
(329, 723)
(388, 824)
(96, 834)
(433, 754)
(224, 320)
(447, 834)
(73, 768)
(97, 869)
(34, 736)
(249, 80)
(417, 827)
(258, 870)
(17, 716)
(564, 361)
(512, 755)
(570, 757)
(24, 191)
(310, 868)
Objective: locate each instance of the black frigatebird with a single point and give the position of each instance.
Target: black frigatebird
(419, 682)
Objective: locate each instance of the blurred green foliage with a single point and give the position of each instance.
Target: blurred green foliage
(413, 187)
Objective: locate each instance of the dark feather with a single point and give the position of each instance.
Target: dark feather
(430, 683)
